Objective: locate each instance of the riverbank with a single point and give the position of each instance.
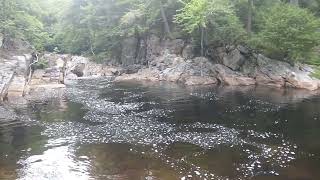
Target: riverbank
(171, 60)
(175, 61)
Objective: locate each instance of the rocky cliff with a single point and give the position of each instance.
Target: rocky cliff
(153, 60)
(174, 61)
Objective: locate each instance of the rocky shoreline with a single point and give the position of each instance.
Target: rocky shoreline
(171, 61)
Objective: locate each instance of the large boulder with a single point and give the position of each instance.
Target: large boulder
(157, 47)
(281, 74)
(79, 69)
(233, 59)
(75, 66)
(268, 79)
(173, 68)
(228, 77)
(188, 52)
(143, 75)
(301, 81)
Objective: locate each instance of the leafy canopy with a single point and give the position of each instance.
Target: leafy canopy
(288, 31)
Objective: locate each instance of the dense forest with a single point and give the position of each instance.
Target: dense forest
(285, 30)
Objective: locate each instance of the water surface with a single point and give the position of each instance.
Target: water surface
(106, 130)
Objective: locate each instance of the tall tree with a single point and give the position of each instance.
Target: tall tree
(216, 18)
(165, 19)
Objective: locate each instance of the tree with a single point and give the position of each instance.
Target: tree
(216, 17)
(250, 14)
(289, 32)
(22, 20)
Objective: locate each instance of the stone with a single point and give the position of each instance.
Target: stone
(71, 76)
(60, 63)
(301, 81)
(154, 48)
(79, 69)
(142, 75)
(228, 77)
(128, 70)
(243, 49)
(128, 52)
(234, 60)
(281, 74)
(16, 87)
(269, 80)
(198, 80)
(187, 52)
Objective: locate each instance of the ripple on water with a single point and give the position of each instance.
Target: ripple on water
(159, 132)
(132, 118)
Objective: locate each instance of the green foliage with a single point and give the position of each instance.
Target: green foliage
(316, 73)
(21, 19)
(41, 64)
(287, 31)
(217, 17)
(193, 15)
(99, 27)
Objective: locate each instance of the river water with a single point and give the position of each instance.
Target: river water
(117, 131)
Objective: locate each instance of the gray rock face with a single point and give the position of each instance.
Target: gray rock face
(174, 68)
(187, 52)
(13, 77)
(234, 60)
(173, 61)
(77, 65)
(6, 75)
(281, 74)
(1, 40)
(154, 48)
(228, 77)
(128, 54)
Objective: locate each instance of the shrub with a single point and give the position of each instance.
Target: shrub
(41, 64)
(288, 32)
(216, 17)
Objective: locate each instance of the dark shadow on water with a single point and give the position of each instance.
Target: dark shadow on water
(165, 131)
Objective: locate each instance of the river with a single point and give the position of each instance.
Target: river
(105, 130)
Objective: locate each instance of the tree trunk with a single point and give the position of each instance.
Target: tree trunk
(249, 18)
(165, 21)
(202, 41)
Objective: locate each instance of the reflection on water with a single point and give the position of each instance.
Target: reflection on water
(104, 130)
